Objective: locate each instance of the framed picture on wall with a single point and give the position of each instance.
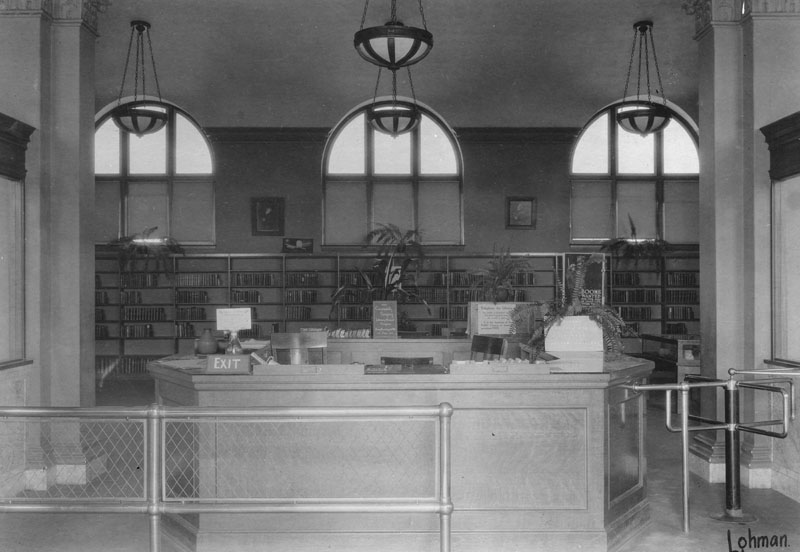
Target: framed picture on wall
(267, 216)
(520, 212)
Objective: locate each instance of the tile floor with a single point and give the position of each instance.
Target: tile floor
(776, 514)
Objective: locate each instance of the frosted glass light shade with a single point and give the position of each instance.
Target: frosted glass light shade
(140, 118)
(643, 118)
(393, 45)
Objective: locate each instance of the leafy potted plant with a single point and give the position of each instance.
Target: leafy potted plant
(572, 302)
(635, 248)
(137, 251)
(497, 281)
(393, 274)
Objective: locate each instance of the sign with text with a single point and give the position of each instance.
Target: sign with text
(490, 318)
(234, 319)
(228, 364)
(384, 319)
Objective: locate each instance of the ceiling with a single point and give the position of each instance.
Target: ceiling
(495, 63)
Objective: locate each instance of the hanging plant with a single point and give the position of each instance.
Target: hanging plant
(635, 248)
(139, 252)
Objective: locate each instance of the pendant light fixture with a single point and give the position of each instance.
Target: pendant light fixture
(393, 45)
(642, 115)
(393, 116)
(141, 116)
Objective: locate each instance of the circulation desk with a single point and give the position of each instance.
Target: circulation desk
(540, 461)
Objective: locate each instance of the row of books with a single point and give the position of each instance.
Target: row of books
(144, 313)
(200, 279)
(304, 296)
(680, 313)
(688, 279)
(682, 296)
(635, 296)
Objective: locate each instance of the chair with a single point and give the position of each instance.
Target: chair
(298, 347)
(488, 347)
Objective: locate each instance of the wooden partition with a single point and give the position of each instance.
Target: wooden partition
(540, 461)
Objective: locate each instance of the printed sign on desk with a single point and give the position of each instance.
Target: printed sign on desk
(228, 364)
(490, 318)
(234, 319)
(384, 319)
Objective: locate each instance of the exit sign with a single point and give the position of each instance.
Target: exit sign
(228, 364)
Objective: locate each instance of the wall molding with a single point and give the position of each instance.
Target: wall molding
(14, 138)
(464, 135)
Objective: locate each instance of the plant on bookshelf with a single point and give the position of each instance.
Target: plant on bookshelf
(633, 247)
(497, 281)
(572, 302)
(393, 274)
(137, 251)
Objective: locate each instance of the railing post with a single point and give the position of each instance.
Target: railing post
(445, 413)
(153, 483)
(733, 490)
(684, 449)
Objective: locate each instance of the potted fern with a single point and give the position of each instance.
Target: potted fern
(393, 274)
(572, 302)
(497, 281)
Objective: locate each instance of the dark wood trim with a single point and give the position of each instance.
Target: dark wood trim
(234, 135)
(467, 134)
(783, 139)
(14, 138)
(526, 135)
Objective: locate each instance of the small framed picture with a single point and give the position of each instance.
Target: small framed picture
(298, 245)
(520, 212)
(267, 216)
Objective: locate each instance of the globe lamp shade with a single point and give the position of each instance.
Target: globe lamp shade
(643, 118)
(394, 118)
(140, 118)
(393, 45)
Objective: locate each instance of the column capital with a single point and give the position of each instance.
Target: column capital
(83, 11)
(706, 12)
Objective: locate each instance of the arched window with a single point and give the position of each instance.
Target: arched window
(413, 181)
(619, 177)
(163, 180)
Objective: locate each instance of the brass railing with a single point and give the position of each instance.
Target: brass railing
(151, 460)
(732, 425)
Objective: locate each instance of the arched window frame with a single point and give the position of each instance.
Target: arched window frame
(619, 222)
(172, 180)
(370, 178)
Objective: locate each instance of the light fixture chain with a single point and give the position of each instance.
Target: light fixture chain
(639, 68)
(658, 72)
(411, 85)
(138, 61)
(647, 66)
(364, 15)
(422, 15)
(377, 82)
(153, 62)
(630, 64)
(393, 18)
(125, 72)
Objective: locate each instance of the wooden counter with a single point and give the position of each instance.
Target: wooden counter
(540, 461)
(369, 351)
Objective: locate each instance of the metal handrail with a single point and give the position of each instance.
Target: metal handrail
(731, 425)
(155, 504)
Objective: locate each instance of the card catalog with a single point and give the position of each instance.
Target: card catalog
(228, 364)
(234, 319)
(384, 319)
